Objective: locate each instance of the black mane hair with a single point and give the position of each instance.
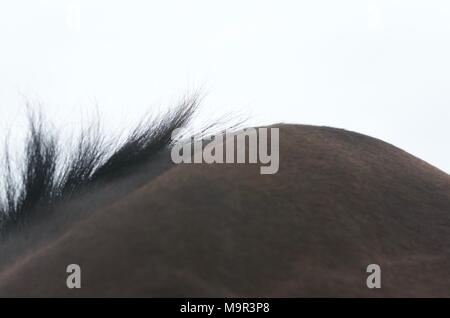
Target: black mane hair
(48, 175)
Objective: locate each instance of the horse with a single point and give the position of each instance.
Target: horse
(136, 224)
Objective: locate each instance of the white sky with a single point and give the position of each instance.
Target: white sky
(377, 67)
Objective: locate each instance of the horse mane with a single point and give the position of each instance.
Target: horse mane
(47, 174)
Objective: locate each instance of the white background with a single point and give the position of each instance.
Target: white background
(377, 67)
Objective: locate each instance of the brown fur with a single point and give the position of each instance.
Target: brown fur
(339, 202)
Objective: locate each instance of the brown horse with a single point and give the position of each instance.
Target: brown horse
(339, 202)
